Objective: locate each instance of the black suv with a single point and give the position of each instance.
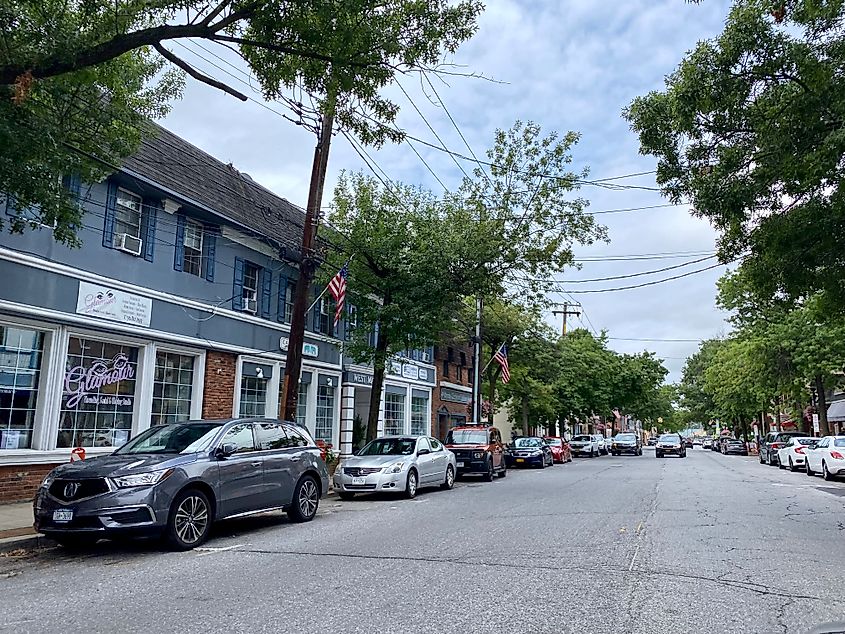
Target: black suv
(774, 441)
(670, 444)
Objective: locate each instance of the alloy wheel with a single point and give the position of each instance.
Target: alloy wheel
(825, 473)
(411, 488)
(308, 498)
(191, 519)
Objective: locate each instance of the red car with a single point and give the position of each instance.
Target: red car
(560, 449)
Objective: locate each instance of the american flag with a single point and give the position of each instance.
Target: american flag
(501, 357)
(337, 287)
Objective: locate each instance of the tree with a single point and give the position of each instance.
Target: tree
(749, 131)
(695, 400)
(638, 381)
(586, 382)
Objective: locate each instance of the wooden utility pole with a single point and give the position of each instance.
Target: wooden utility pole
(566, 312)
(307, 266)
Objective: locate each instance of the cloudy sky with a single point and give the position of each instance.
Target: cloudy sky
(566, 64)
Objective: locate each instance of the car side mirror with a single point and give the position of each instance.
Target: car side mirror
(226, 449)
(423, 452)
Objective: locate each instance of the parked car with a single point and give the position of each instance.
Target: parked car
(560, 449)
(793, 453)
(717, 443)
(478, 449)
(735, 446)
(602, 444)
(651, 442)
(772, 443)
(670, 444)
(707, 443)
(176, 480)
(584, 445)
(396, 464)
(696, 440)
(827, 457)
(626, 443)
(531, 451)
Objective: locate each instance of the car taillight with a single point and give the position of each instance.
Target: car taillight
(836, 454)
(776, 445)
(799, 450)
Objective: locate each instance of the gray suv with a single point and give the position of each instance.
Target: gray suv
(175, 480)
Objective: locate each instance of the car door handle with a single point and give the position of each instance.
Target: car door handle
(256, 464)
(294, 458)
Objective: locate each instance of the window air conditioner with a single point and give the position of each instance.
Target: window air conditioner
(128, 243)
(250, 305)
(426, 358)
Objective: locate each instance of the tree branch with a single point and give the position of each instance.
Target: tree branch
(170, 57)
(281, 48)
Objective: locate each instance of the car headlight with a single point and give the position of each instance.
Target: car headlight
(48, 479)
(396, 467)
(537, 452)
(478, 455)
(141, 479)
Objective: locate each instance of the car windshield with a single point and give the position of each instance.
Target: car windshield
(528, 442)
(670, 438)
(582, 439)
(625, 437)
(554, 442)
(389, 447)
(177, 438)
(466, 437)
(807, 442)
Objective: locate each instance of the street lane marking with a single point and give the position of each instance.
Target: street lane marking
(210, 550)
(634, 558)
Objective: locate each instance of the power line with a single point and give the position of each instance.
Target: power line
(667, 279)
(630, 275)
(656, 339)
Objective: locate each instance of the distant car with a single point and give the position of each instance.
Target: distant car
(393, 464)
(177, 480)
(651, 442)
(772, 443)
(560, 449)
(531, 451)
(478, 449)
(626, 443)
(602, 444)
(670, 444)
(696, 440)
(827, 457)
(734, 446)
(707, 443)
(718, 442)
(793, 454)
(584, 445)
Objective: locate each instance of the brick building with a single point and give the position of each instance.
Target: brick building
(452, 396)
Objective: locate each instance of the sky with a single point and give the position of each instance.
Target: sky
(564, 64)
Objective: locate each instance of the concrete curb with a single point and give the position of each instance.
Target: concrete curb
(25, 543)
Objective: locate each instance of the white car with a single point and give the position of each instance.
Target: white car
(604, 446)
(792, 454)
(583, 445)
(827, 457)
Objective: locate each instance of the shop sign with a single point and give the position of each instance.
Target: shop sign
(108, 303)
(80, 382)
(308, 349)
(410, 372)
(395, 368)
(454, 396)
(423, 374)
(359, 378)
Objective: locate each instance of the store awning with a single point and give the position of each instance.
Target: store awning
(836, 412)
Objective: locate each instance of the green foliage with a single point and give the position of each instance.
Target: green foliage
(695, 401)
(749, 131)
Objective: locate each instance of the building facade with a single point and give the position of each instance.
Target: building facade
(452, 403)
(176, 306)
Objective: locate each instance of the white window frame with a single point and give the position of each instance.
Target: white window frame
(271, 403)
(198, 381)
(247, 292)
(119, 205)
(198, 230)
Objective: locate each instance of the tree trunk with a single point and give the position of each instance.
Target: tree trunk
(524, 415)
(378, 383)
(824, 428)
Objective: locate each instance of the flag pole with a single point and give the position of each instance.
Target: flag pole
(491, 358)
(320, 296)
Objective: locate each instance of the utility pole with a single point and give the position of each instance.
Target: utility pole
(476, 369)
(566, 312)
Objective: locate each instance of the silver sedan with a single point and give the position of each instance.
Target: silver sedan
(396, 464)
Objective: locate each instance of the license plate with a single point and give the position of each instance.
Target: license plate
(520, 459)
(62, 515)
(359, 480)
(460, 465)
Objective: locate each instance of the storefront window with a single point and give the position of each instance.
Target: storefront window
(253, 396)
(419, 415)
(99, 394)
(394, 413)
(302, 403)
(172, 388)
(324, 429)
(20, 363)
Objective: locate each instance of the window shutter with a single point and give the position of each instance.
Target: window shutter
(266, 285)
(108, 224)
(11, 208)
(151, 217)
(209, 245)
(238, 287)
(283, 292)
(179, 254)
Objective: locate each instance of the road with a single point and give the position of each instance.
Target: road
(711, 543)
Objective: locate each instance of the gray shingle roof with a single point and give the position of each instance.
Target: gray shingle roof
(175, 164)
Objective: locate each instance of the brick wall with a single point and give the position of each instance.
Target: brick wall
(453, 368)
(19, 482)
(219, 390)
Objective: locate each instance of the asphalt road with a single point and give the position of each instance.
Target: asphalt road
(627, 544)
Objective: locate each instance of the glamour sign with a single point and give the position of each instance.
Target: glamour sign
(112, 304)
(80, 382)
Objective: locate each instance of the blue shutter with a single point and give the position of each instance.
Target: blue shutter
(10, 205)
(238, 286)
(108, 224)
(151, 216)
(266, 286)
(179, 254)
(283, 292)
(209, 246)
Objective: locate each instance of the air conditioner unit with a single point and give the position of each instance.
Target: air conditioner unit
(128, 243)
(426, 358)
(250, 305)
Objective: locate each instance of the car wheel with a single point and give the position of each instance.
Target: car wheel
(190, 520)
(504, 472)
(75, 542)
(780, 464)
(411, 485)
(592, 453)
(449, 482)
(306, 499)
(761, 458)
(657, 454)
(488, 476)
(346, 495)
(807, 465)
(827, 475)
(792, 466)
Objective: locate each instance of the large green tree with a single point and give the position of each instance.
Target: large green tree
(749, 131)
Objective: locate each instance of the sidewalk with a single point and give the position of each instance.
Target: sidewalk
(16, 528)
